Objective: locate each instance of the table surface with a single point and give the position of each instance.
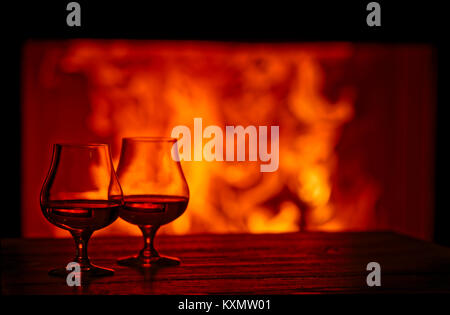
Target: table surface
(236, 264)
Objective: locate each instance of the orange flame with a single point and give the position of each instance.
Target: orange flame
(147, 88)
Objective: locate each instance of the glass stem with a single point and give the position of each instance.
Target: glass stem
(149, 250)
(81, 241)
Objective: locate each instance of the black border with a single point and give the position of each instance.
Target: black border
(280, 304)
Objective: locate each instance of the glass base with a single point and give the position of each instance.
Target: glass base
(89, 272)
(139, 262)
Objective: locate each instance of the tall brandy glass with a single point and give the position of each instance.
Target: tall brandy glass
(81, 194)
(155, 192)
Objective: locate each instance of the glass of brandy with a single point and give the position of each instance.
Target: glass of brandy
(155, 192)
(81, 194)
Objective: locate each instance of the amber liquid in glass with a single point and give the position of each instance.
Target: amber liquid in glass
(82, 214)
(152, 209)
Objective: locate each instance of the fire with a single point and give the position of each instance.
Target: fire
(147, 88)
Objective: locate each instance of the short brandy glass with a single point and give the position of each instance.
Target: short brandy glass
(155, 192)
(81, 194)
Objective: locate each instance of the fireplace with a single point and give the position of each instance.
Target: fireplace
(356, 146)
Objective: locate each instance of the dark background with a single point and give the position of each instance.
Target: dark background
(402, 22)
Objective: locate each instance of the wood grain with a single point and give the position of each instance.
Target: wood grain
(236, 264)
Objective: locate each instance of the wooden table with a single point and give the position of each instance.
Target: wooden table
(237, 264)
